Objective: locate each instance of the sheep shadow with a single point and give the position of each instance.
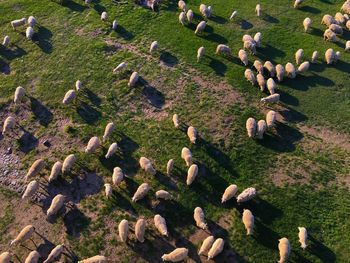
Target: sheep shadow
(42, 39)
(75, 7)
(245, 24)
(309, 9)
(342, 66)
(88, 113)
(321, 251)
(92, 97)
(304, 82)
(41, 112)
(117, 200)
(27, 142)
(270, 53)
(125, 34)
(11, 53)
(98, 8)
(316, 32)
(218, 66)
(218, 19)
(292, 116)
(265, 236)
(270, 19)
(153, 96)
(168, 59)
(75, 222)
(287, 98)
(213, 37)
(5, 67)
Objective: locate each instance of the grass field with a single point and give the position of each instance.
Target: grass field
(300, 169)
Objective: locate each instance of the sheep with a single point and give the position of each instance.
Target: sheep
(19, 94)
(261, 81)
(339, 17)
(258, 10)
(189, 16)
(314, 57)
(18, 22)
(123, 230)
(31, 21)
(176, 121)
(299, 56)
(303, 67)
(249, 75)
(216, 248)
(247, 37)
(169, 166)
(160, 224)
(69, 97)
(78, 85)
(191, 174)
(55, 171)
(133, 79)
(279, 72)
(31, 189)
(54, 254)
(336, 57)
(347, 45)
(233, 15)
(329, 56)
(187, 156)
(284, 249)
(68, 163)
(182, 18)
(104, 16)
(270, 68)
(6, 41)
(271, 85)
(261, 129)
(209, 11)
(348, 25)
(25, 234)
(346, 17)
(141, 192)
(229, 193)
(111, 150)
(338, 30)
(35, 169)
(182, 5)
(290, 70)
(251, 127)
(177, 255)
(92, 145)
(108, 190)
(205, 11)
(223, 49)
(192, 134)
(146, 165)
(346, 7)
(206, 245)
(33, 257)
(270, 118)
(153, 47)
(297, 3)
(5, 257)
(327, 20)
(274, 98)
(307, 24)
(198, 216)
(200, 27)
(200, 53)
(140, 228)
(87, 2)
(246, 195)
(249, 45)
(94, 259)
(110, 127)
(243, 57)
(115, 24)
(117, 176)
(329, 35)
(248, 221)
(9, 123)
(258, 66)
(120, 67)
(302, 237)
(29, 33)
(162, 194)
(56, 204)
(257, 39)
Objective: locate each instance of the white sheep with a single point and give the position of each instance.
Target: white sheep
(25, 234)
(347, 45)
(92, 145)
(69, 96)
(55, 171)
(78, 85)
(187, 156)
(189, 16)
(104, 16)
(5, 257)
(176, 121)
(279, 72)
(31, 21)
(249, 75)
(160, 224)
(233, 15)
(209, 11)
(346, 7)
(338, 30)
(206, 245)
(229, 193)
(248, 221)
(108, 190)
(302, 237)
(182, 18)
(153, 47)
(261, 129)
(88, 2)
(140, 228)
(113, 148)
(205, 11)
(133, 79)
(307, 24)
(299, 56)
(115, 24)
(192, 134)
(200, 53)
(177, 255)
(9, 124)
(270, 118)
(6, 41)
(258, 39)
(261, 81)
(274, 98)
(182, 5)
(290, 70)
(198, 216)
(56, 204)
(304, 67)
(68, 163)
(98, 258)
(251, 127)
(18, 22)
(146, 165)
(141, 192)
(123, 230)
(347, 25)
(35, 169)
(270, 68)
(162, 194)
(54, 254)
(329, 35)
(246, 195)
(191, 174)
(200, 27)
(247, 37)
(33, 257)
(258, 66)
(31, 189)
(328, 20)
(120, 67)
(271, 85)
(169, 167)
(216, 248)
(329, 56)
(297, 3)
(223, 49)
(110, 127)
(29, 33)
(339, 17)
(314, 57)
(336, 57)
(19, 94)
(284, 249)
(258, 10)
(117, 176)
(243, 57)
(251, 46)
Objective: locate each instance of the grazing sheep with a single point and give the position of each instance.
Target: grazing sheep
(111, 150)
(5, 257)
(110, 127)
(346, 7)
(9, 123)
(200, 27)
(302, 237)
(189, 16)
(290, 70)
(146, 165)
(169, 167)
(299, 56)
(284, 249)
(54, 254)
(261, 81)
(31, 189)
(249, 75)
(258, 10)
(160, 224)
(182, 18)
(248, 221)
(29, 33)
(206, 245)
(233, 15)
(329, 35)
(297, 3)
(31, 21)
(19, 94)
(314, 57)
(191, 174)
(270, 68)
(108, 190)
(187, 156)
(25, 234)
(133, 79)
(348, 25)
(338, 30)
(271, 85)
(104, 16)
(117, 176)
(35, 169)
(257, 39)
(223, 49)
(249, 45)
(336, 57)
(246, 195)
(274, 98)
(177, 255)
(329, 56)
(198, 216)
(141, 192)
(307, 24)
(328, 20)
(69, 97)
(258, 66)
(6, 41)
(347, 18)
(243, 57)
(247, 37)
(140, 228)
(176, 121)
(68, 163)
(154, 46)
(347, 45)
(162, 194)
(120, 67)
(209, 11)
(92, 145)
(94, 259)
(339, 17)
(78, 85)
(216, 248)
(261, 129)
(279, 72)
(251, 127)
(205, 11)
(270, 118)
(115, 24)
(56, 204)
(192, 134)
(229, 193)
(182, 5)
(33, 257)
(200, 53)
(304, 67)
(123, 230)
(18, 22)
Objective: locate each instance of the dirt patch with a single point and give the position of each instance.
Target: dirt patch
(94, 33)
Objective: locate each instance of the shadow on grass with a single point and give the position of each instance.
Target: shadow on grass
(309, 9)
(168, 59)
(5, 67)
(75, 6)
(153, 96)
(27, 142)
(12, 52)
(41, 112)
(122, 32)
(92, 97)
(88, 113)
(269, 52)
(321, 251)
(218, 66)
(75, 222)
(270, 19)
(42, 39)
(218, 19)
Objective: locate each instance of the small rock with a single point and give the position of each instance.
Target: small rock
(47, 143)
